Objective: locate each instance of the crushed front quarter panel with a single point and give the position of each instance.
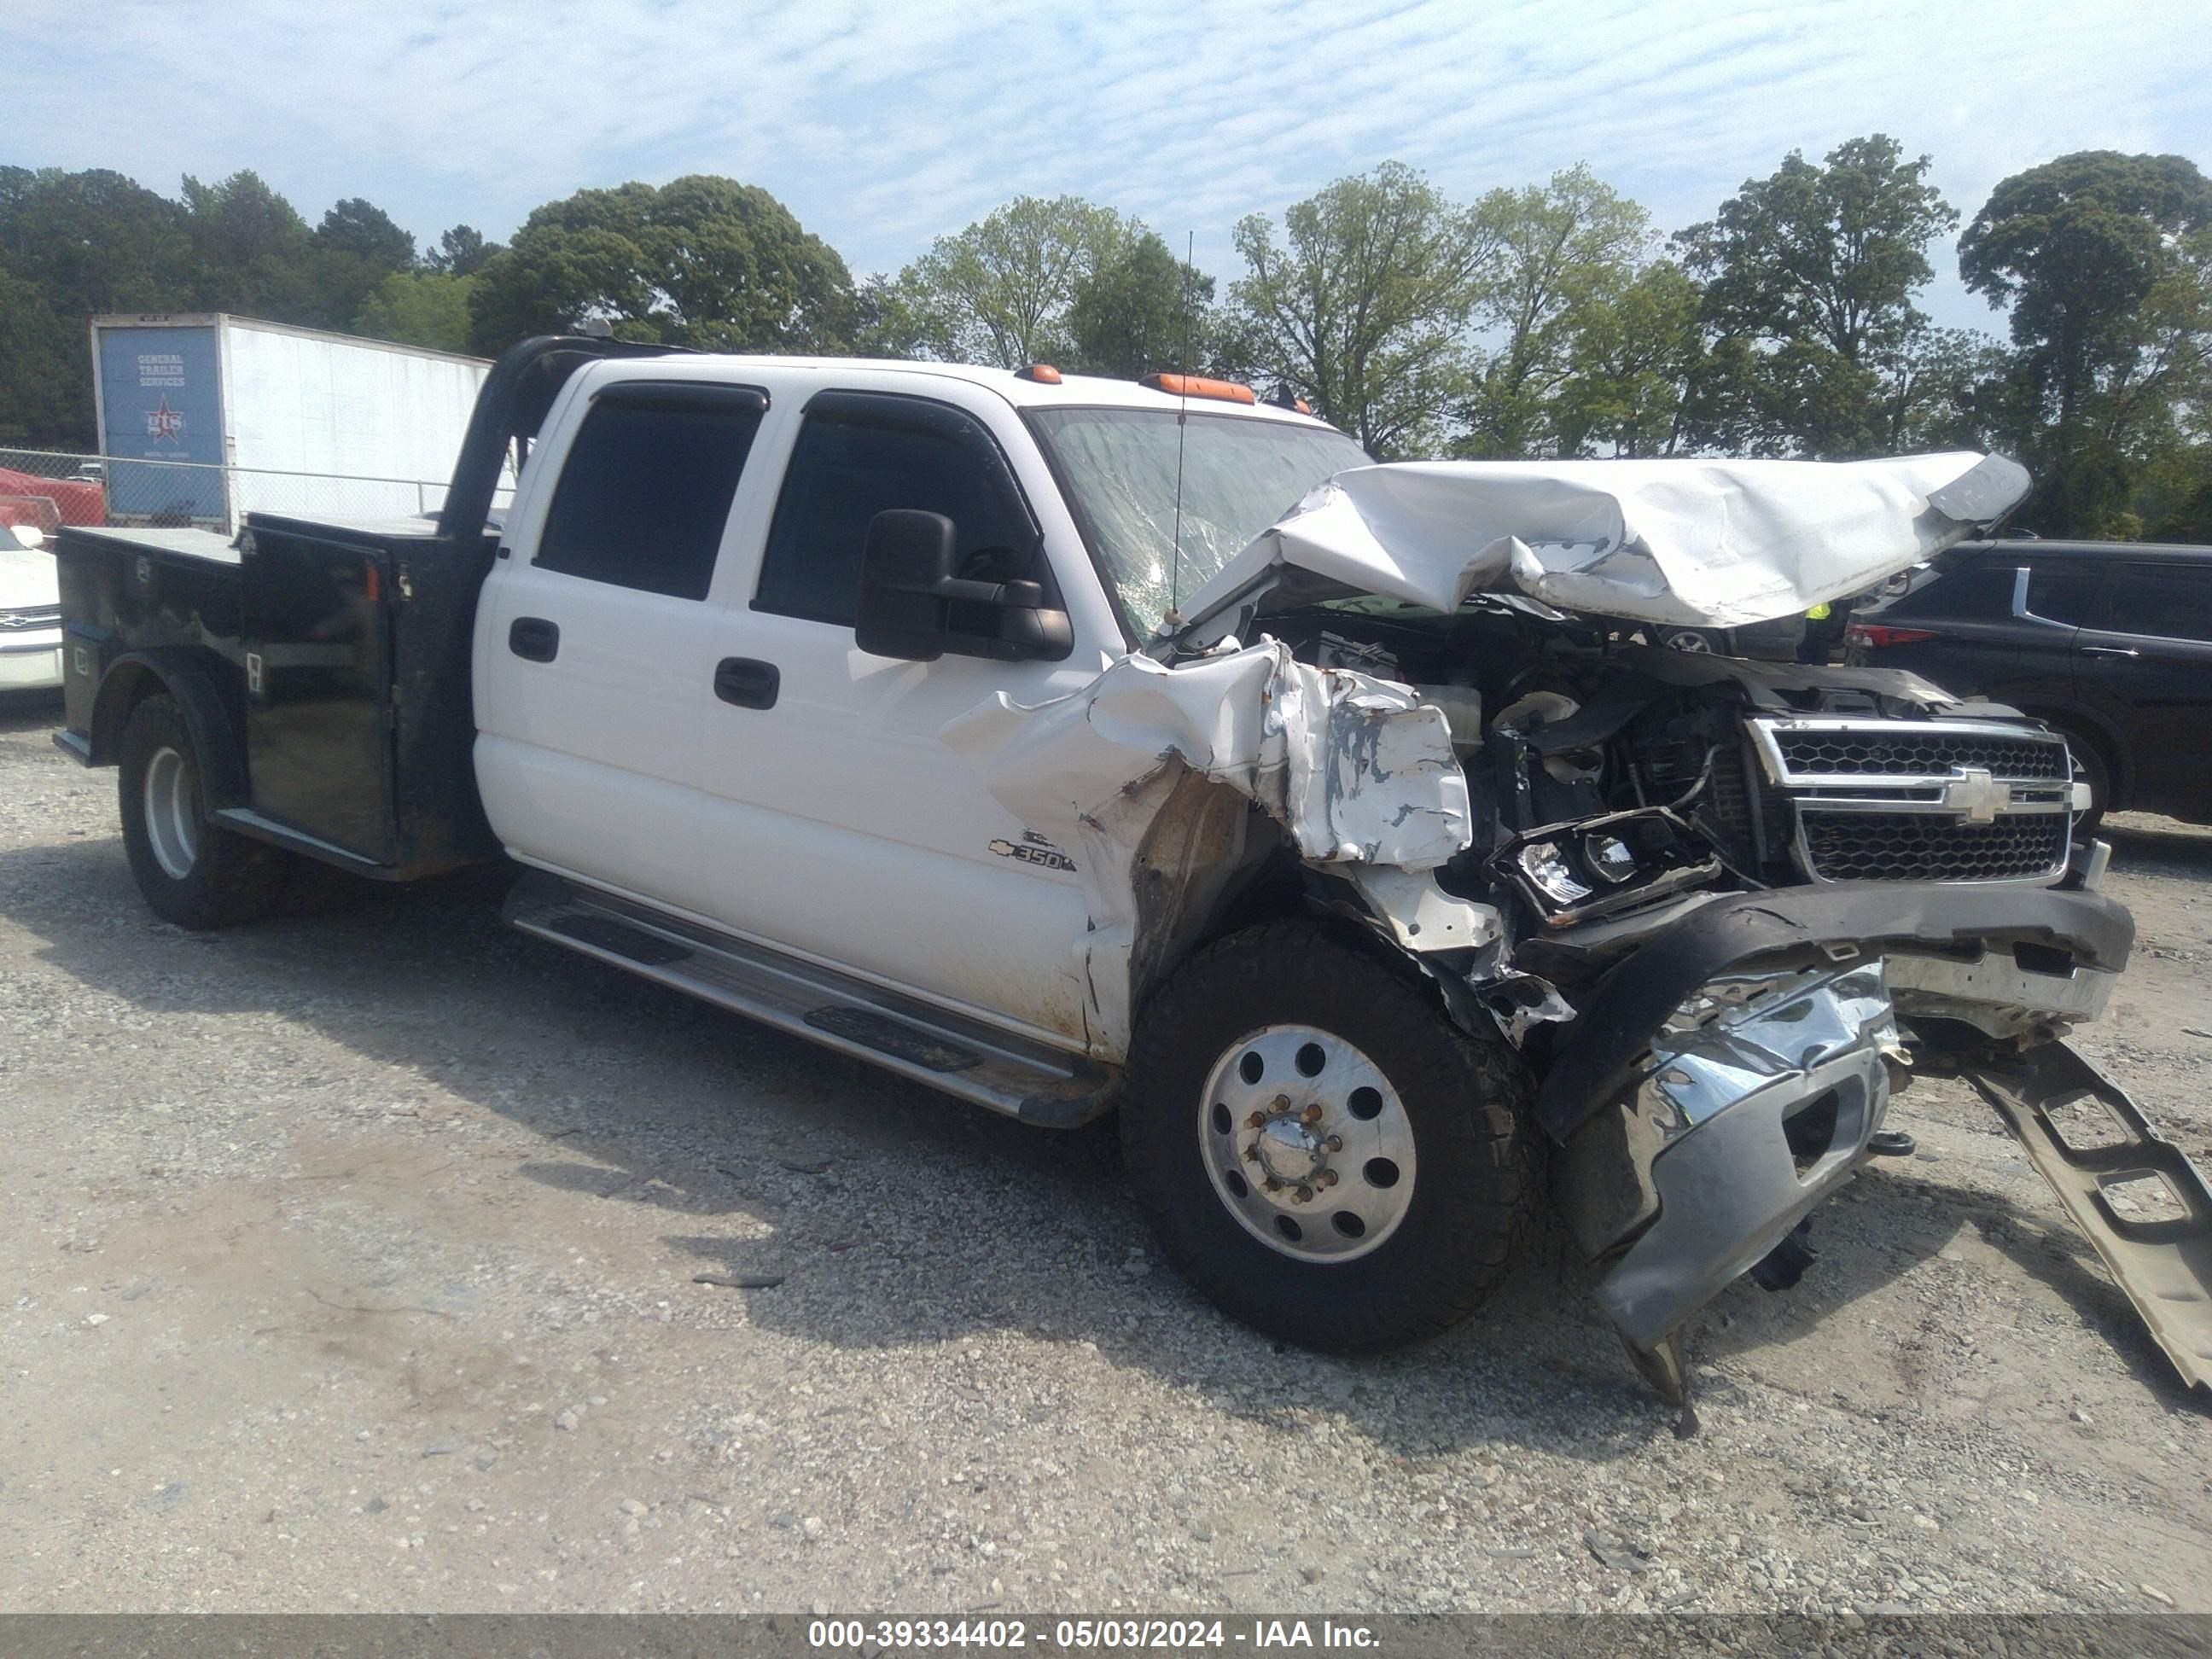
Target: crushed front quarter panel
(1357, 772)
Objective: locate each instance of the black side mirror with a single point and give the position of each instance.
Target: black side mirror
(912, 607)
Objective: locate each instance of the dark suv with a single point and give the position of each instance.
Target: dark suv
(2109, 643)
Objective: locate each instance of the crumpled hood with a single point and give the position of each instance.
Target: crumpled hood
(1695, 543)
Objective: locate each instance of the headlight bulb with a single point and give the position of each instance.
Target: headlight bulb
(1545, 866)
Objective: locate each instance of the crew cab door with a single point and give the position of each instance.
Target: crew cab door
(837, 823)
(595, 642)
(2146, 663)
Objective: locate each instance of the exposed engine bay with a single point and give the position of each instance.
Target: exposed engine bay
(1683, 770)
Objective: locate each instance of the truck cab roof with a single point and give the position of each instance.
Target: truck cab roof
(1015, 387)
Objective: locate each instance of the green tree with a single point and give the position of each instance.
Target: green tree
(1363, 308)
(1928, 389)
(418, 308)
(1814, 268)
(1556, 247)
(461, 251)
(356, 248)
(702, 261)
(363, 229)
(73, 246)
(94, 241)
(1635, 365)
(44, 388)
(252, 252)
(999, 291)
(2104, 261)
(884, 323)
(1141, 312)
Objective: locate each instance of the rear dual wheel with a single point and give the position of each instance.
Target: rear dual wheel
(1318, 1148)
(192, 871)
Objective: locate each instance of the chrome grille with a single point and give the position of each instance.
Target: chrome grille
(1920, 801)
(37, 616)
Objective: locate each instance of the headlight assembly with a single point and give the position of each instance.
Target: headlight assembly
(1571, 872)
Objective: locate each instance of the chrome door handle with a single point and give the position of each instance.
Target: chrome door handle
(2109, 651)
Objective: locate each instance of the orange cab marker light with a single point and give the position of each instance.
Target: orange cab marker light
(1195, 385)
(1042, 374)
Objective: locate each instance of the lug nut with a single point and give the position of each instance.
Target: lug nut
(1334, 1143)
(1303, 1196)
(1271, 1185)
(1311, 1114)
(1282, 1102)
(1329, 1178)
(1257, 1121)
(1251, 1154)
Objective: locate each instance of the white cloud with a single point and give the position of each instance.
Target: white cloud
(882, 124)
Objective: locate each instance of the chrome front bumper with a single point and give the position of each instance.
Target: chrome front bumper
(1762, 1093)
(1999, 994)
(1723, 1078)
(30, 661)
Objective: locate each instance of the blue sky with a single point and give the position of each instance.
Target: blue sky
(882, 125)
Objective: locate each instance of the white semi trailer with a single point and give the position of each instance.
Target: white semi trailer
(205, 417)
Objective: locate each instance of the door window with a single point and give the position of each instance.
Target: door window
(2164, 601)
(862, 454)
(2062, 592)
(645, 491)
(1973, 592)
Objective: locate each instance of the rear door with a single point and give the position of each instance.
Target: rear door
(2147, 663)
(836, 823)
(595, 644)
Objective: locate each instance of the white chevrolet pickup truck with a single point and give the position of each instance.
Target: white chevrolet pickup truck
(1074, 746)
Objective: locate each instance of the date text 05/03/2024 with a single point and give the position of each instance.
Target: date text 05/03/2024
(1085, 1635)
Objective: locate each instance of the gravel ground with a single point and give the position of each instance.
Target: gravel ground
(352, 1260)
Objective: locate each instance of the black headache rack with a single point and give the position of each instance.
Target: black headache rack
(323, 666)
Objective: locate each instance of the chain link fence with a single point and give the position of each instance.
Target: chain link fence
(46, 489)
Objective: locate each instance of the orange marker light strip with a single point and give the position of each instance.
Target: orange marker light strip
(1042, 374)
(1195, 385)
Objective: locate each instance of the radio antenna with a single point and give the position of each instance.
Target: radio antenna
(1183, 422)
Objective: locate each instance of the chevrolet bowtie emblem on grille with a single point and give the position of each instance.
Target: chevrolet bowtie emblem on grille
(1977, 795)
(14, 622)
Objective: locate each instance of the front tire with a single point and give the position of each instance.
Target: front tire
(191, 871)
(1318, 1148)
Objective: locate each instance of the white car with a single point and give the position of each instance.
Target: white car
(30, 612)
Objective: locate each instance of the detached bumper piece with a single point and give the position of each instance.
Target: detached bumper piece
(1733, 1071)
(2164, 1265)
(1763, 1093)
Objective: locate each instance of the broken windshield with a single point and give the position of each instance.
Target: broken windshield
(1239, 476)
